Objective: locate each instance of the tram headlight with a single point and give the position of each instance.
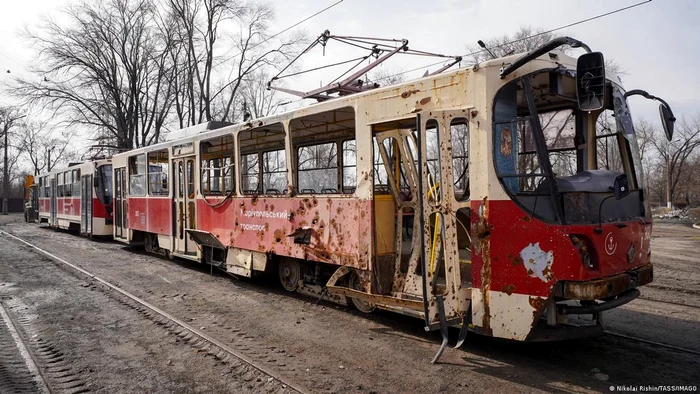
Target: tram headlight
(586, 257)
(585, 249)
(630, 254)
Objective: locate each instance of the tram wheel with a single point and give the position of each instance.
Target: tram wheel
(289, 273)
(148, 243)
(361, 305)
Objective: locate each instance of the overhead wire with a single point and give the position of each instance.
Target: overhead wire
(527, 38)
(284, 30)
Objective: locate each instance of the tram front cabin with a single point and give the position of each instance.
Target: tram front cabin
(503, 200)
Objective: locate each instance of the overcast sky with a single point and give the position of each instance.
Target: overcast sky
(656, 44)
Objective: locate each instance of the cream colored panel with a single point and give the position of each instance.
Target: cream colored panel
(511, 316)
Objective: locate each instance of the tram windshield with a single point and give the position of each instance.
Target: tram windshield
(103, 184)
(558, 162)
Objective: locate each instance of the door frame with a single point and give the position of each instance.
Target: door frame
(408, 282)
(53, 203)
(86, 186)
(119, 201)
(452, 305)
(184, 203)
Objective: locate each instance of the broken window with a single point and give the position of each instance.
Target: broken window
(317, 139)
(607, 143)
(349, 166)
(250, 173)
(459, 135)
(217, 165)
(318, 168)
(275, 172)
(263, 160)
(432, 147)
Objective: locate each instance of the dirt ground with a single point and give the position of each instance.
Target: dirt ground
(323, 347)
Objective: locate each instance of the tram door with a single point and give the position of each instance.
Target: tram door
(447, 296)
(86, 204)
(53, 204)
(120, 224)
(396, 205)
(184, 204)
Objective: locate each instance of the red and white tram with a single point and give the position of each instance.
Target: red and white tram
(78, 198)
(503, 200)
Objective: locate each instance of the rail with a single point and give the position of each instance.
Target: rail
(167, 316)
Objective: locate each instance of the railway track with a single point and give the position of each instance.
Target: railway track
(261, 378)
(669, 302)
(650, 342)
(18, 371)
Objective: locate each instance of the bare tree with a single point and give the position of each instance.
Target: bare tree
(676, 155)
(525, 39)
(386, 76)
(200, 91)
(258, 100)
(646, 134)
(104, 68)
(253, 54)
(9, 118)
(44, 147)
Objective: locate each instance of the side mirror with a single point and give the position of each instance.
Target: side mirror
(621, 186)
(590, 81)
(667, 120)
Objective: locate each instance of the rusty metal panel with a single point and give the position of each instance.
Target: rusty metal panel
(607, 287)
(339, 227)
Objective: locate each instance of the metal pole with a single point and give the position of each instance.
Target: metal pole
(5, 179)
(669, 204)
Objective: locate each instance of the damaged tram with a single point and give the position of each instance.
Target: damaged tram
(503, 198)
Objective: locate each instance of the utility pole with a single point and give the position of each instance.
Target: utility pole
(5, 174)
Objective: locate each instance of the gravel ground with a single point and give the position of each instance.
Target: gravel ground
(87, 341)
(327, 348)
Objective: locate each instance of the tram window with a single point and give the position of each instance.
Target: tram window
(317, 139)
(190, 179)
(349, 166)
(459, 135)
(432, 147)
(137, 175)
(216, 172)
(67, 184)
(250, 177)
(158, 167)
(180, 180)
(318, 168)
(528, 163)
(381, 180)
(76, 183)
(607, 143)
(559, 129)
(263, 160)
(275, 172)
(103, 188)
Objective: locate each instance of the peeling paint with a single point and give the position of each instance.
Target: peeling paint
(538, 263)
